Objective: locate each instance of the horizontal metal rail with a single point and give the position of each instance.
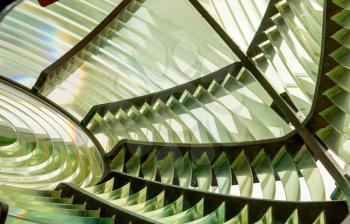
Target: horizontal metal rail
(107, 209)
(163, 95)
(335, 211)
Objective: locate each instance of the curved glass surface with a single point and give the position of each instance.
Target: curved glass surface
(40, 147)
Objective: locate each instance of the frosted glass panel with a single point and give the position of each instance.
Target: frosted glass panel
(151, 46)
(239, 18)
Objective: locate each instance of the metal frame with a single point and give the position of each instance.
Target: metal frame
(280, 102)
(310, 140)
(304, 130)
(4, 207)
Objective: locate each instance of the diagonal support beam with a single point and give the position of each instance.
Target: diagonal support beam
(265, 23)
(247, 62)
